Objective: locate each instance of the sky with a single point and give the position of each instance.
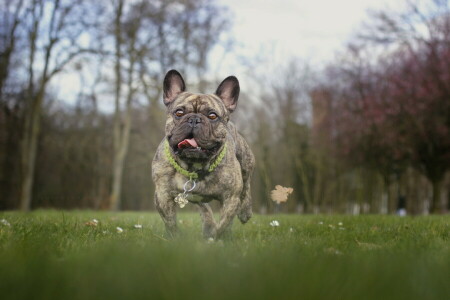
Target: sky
(312, 30)
(276, 30)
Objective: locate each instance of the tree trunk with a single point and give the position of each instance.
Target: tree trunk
(385, 196)
(121, 133)
(265, 181)
(28, 150)
(300, 168)
(114, 199)
(9, 172)
(435, 207)
(317, 191)
(117, 180)
(119, 159)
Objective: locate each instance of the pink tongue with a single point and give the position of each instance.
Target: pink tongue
(187, 143)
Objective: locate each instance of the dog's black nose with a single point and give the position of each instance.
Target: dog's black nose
(194, 120)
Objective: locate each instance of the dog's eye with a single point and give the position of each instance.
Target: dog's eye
(212, 116)
(179, 113)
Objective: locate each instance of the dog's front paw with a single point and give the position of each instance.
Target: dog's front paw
(245, 214)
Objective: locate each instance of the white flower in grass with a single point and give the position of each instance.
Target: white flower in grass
(274, 223)
(210, 240)
(320, 223)
(119, 230)
(291, 229)
(93, 222)
(138, 226)
(340, 224)
(5, 222)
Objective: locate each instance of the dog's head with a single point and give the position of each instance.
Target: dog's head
(196, 125)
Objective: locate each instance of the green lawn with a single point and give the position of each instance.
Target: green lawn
(55, 255)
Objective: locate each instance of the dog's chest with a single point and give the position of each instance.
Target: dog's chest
(205, 190)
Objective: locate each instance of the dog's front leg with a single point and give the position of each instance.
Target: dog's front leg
(209, 224)
(167, 209)
(229, 209)
(245, 210)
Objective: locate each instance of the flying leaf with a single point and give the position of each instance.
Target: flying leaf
(280, 193)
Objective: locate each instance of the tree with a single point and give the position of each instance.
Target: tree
(363, 134)
(418, 73)
(12, 15)
(420, 91)
(53, 40)
(281, 144)
(126, 36)
(392, 102)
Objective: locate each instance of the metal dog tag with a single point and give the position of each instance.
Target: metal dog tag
(181, 199)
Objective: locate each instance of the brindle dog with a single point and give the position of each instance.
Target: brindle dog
(200, 138)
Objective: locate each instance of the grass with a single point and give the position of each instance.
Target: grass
(55, 255)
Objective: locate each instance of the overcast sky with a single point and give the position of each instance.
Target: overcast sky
(312, 30)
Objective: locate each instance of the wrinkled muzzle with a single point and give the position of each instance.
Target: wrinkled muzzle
(194, 138)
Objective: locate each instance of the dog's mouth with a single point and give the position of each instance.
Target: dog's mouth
(191, 147)
(189, 144)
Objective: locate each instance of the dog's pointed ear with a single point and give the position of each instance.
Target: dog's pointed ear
(228, 91)
(173, 85)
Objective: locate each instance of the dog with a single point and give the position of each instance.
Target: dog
(202, 157)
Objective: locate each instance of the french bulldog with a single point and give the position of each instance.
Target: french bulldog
(202, 157)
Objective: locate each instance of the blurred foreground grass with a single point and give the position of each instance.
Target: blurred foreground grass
(55, 255)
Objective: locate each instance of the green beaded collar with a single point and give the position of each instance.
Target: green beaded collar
(192, 175)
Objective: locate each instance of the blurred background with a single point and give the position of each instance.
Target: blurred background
(347, 102)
